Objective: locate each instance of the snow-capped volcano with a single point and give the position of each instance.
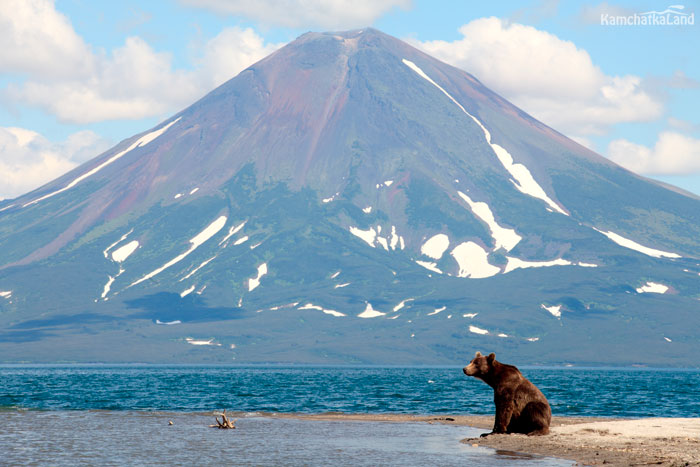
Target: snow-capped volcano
(324, 204)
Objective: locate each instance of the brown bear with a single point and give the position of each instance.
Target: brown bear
(520, 406)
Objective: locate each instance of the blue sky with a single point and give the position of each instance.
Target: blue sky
(78, 76)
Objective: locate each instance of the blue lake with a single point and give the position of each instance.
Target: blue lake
(571, 391)
(119, 415)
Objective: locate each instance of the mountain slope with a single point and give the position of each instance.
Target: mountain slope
(349, 199)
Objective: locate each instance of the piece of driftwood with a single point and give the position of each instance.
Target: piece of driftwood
(225, 423)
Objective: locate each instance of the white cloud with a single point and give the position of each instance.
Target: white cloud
(28, 160)
(673, 154)
(77, 84)
(546, 76)
(37, 39)
(68, 78)
(328, 14)
(132, 83)
(231, 51)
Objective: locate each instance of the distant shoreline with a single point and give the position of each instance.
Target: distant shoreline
(331, 365)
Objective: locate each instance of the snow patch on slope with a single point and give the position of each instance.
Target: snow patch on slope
(429, 266)
(394, 238)
(473, 261)
(123, 237)
(502, 237)
(328, 200)
(632, 245)
(370, 312)
(254, 282)
(402, 303)
(168, 323)
(311, 306)
(192, 341)
(108, 286)
(241, 240)
(476, 330)
(186, 292)
(122, 253)
(194, 271)
(287, 305)
(524, 181)
(196, 241)
(366, 235)
(373, 237)
(208, 232)
(142, 141)
(653, 287)
(232, 231)
(516, 263)
(435, 246)
(119, 255)
(553, 310)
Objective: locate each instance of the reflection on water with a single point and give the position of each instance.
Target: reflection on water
(127, 437)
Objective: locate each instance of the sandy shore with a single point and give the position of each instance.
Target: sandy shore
(589, 441)
(657, 441)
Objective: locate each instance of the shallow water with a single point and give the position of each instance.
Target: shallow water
(137, 438)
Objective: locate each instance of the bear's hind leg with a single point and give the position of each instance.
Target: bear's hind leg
(534, 419)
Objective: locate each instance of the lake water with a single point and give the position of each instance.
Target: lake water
(63, 415)
(145, 438)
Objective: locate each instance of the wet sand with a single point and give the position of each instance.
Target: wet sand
(585, 440)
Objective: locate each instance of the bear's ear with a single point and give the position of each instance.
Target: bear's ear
(478, 354)
(491, 357)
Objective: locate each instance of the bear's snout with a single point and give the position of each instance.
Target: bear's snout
(469, 370)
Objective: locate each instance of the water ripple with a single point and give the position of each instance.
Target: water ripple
(571, 392)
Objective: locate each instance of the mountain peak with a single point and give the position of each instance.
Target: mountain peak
(350, 177)
(364, 33)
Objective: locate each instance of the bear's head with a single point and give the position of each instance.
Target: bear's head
(480, 365)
